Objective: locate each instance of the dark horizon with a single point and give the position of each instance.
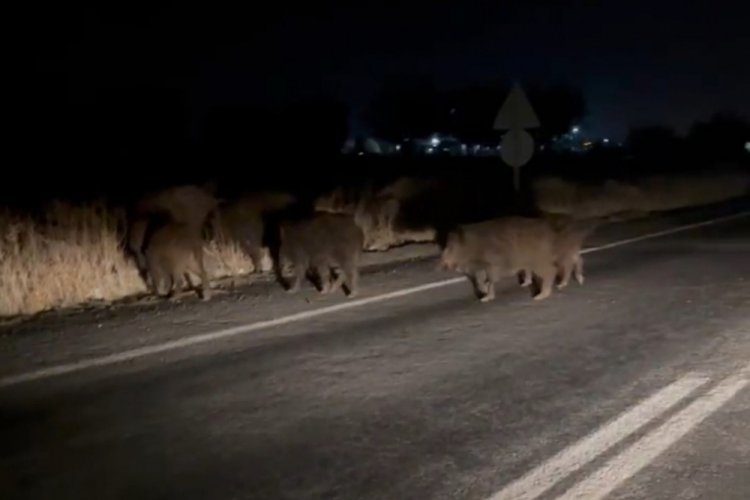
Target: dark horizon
(637, 63)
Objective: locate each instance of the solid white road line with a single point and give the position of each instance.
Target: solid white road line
(545, 476)
(243, 329)
(666, 232)
(620, 468)
(216, 335)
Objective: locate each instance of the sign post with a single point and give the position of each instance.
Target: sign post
(517, 147)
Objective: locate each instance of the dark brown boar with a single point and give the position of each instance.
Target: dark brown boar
(187, 205)
(241, 220)
(489, 250)
(174, 250)
(325, 244)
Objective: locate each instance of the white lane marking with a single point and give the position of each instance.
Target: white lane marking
(666, 232)
(545, 476)
(216, 335)
(242, 329)
(625, 465)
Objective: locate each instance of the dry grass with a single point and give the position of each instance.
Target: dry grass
(649, 194)
(225, 258)
(377, 212)
(664, 193)
(557, 196)
(71, 257)
(74, 254)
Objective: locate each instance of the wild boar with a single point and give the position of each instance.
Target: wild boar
(489, 250)
(242, 221)
(186, 205)
(325, 244)
(173, 250)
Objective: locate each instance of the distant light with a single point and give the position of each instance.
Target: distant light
(398, 147)
(430, 149)
(576, 129)
(435, 141)
(747, 146)
(605, 140)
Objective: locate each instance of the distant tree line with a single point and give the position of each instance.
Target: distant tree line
(138, 134)
(415, 108)
(720, 138)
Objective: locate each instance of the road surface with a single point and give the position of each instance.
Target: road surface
(635, 385)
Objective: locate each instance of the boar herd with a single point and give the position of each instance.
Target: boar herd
(167, 231)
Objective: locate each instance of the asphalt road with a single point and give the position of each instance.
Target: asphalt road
(635, 385)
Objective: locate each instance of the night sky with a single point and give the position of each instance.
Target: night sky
(638, 62)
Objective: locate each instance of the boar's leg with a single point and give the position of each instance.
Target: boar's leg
(352, 281)
(350, 276)
(253, 251)
(338, 279)
(323, 272)
(300, 271)
(492, 275)
(564, 271)
(578, 268)
(525, 278)
(205, 292)
(482, 285)
(158, 276)
(178, 284)
(547, 274)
